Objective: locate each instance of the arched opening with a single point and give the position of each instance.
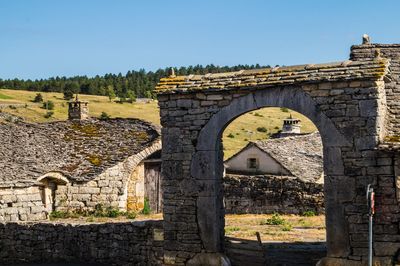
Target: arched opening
(48, 185)
(207, 165)
(273, 189)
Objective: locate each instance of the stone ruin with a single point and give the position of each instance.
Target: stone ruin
(354, 105)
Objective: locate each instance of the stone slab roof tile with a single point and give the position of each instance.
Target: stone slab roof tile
(301, 155)
(267, 77)
(79, 150)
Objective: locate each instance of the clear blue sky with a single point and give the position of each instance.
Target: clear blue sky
(44, 38)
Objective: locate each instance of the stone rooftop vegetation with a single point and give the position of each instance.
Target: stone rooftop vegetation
(261, 78)
(79, 150)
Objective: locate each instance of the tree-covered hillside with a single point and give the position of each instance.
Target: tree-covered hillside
(133, 84)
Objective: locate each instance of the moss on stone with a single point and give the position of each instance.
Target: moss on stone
(395, 138)
(139, 135)
(94, 159)
(88, 130)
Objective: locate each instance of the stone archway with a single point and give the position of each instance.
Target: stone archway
(345, 100)
(48, 185)
(207, 164)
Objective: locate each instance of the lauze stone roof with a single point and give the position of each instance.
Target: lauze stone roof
(301, 155)
(79, 150)
(267, 77)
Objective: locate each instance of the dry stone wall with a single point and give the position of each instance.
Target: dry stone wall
(133, 243)
(270, 194)
(21, 204)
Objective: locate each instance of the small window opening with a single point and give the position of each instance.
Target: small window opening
(252, 163)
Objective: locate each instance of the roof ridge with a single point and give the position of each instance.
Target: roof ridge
(265, 77)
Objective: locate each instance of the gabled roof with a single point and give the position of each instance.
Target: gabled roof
(301, 155)
(267, 77)
(79, 150)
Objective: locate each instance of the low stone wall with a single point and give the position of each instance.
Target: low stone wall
(21, 204)
(130, 243)
(269, 194)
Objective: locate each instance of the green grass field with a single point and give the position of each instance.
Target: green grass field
(236, 135)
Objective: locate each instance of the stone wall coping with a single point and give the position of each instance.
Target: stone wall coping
(375, 45)
(389, 146)
(267, 77)
(142, 223)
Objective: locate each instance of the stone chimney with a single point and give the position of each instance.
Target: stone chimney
(291, 126)
(78, 110)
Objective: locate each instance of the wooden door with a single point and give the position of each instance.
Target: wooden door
(152, 184)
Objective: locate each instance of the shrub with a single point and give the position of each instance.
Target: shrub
(104, 116)
(231, 136)
(262, 129)
(130, 215)
(306, 223)
(230, 229)
(49, 114)
(112, 212)
(287, 227)
(38, 98)
(68, 95)
(98, 210)
(308, 213)
(284, 109)
(131, 96)
(58, 214)
(146, 207)
(49, 105)
(257, 114)
(276, 219)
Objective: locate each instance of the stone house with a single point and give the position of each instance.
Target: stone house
(282, 175)
(298, 155)
(76, 165)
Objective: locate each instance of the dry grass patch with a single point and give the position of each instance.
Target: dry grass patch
(285, 228)
(258, 125)
(34, 112)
